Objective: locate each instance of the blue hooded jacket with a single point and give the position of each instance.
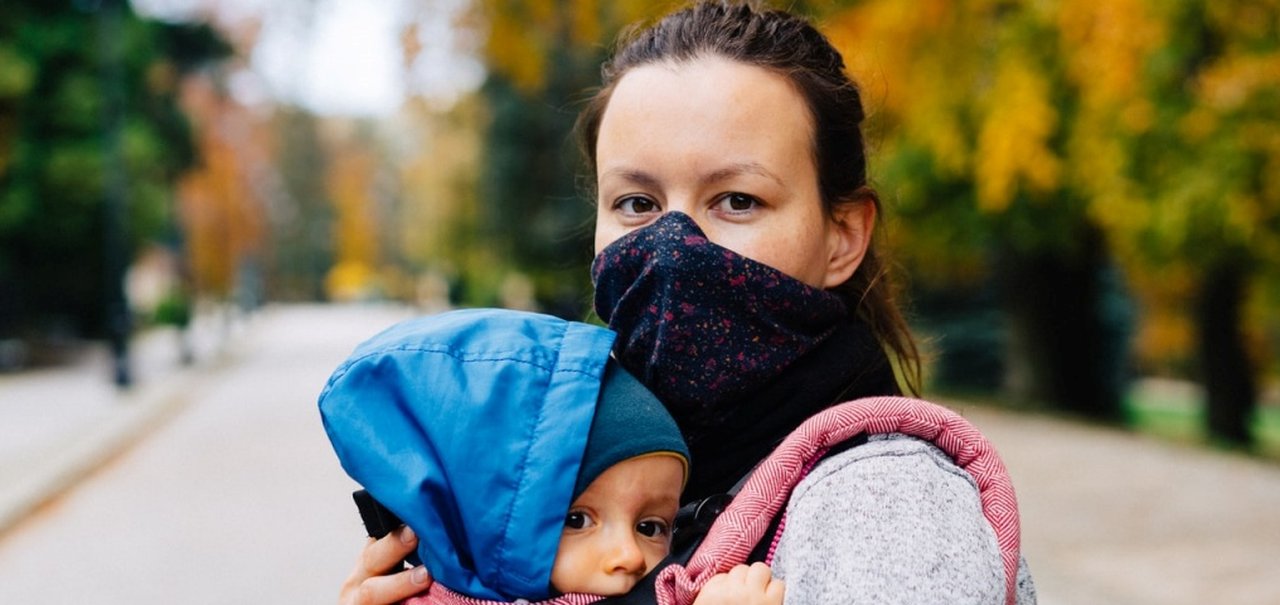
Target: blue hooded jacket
(470, 426)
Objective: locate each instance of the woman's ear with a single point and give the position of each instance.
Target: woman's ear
(848, 237)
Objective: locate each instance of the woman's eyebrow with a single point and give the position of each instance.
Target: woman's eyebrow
(739, 168)
(639, 177)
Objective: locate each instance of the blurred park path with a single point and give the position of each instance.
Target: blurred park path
(235, 498)
(1111, 518)
(59, 422)
(227, 490)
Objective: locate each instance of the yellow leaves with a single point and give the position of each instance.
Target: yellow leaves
(541, 12)
(625, 12)
(220, 204)
(350, 184)
(933, 120)
(1105, 45)
(1166, 334)
(881, 42)
(517, 45)
(1013, 141)
(1120, 212)
(1158, 120)
(584, 22)
(1242, 215)
(438, 181)
(1232, 80)
(1138, 115)
(349, 281)
(1269, 189)
(525, 35)
(1197, 124)
(890, 50)
(1247, 20)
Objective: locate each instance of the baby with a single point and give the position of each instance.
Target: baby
(528, 463)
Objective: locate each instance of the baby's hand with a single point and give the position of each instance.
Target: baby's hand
(743, 585)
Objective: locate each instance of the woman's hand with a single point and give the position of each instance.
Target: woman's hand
(368, 586)
(754, 585)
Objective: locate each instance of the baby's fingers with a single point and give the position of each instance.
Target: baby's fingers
(742, 585)
(758, 574)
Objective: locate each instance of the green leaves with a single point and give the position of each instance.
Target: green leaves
(17, 75)
(83, 117)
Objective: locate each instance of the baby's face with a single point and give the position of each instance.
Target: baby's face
(620, 527)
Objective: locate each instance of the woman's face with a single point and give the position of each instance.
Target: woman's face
(730, 145)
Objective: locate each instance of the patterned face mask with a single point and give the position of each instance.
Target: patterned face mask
(700, 324)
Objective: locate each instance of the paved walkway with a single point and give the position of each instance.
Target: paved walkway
(1111, 518)
(1108, 518)
(58, 424)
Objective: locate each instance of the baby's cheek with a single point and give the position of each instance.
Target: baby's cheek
(655, 555)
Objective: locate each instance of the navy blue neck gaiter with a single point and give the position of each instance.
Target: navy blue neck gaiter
(700, 324)
(739, 352)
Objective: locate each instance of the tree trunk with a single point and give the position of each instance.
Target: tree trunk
(1228, 375)
(1062, 350)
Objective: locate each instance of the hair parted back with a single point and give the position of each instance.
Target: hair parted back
(792, 47)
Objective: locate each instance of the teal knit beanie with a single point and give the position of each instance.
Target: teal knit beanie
(629, 422)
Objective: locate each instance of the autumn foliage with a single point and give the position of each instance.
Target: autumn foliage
(1011, 128)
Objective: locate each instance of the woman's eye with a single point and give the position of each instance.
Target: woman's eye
(651, 529)
(577, 519)
(738, 202)
(636, 204)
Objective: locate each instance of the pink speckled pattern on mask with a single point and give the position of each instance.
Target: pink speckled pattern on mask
(699, 324)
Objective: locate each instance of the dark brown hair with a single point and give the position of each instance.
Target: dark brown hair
(790, 46)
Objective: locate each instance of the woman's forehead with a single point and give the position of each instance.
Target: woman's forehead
(714, 107)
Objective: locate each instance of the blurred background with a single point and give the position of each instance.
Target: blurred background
(1083, 198)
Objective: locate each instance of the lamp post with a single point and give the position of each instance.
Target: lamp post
(115, 190)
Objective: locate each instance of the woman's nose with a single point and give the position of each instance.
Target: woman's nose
(688, 211)
(624, 556)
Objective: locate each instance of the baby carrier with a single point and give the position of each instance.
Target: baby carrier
(753, 519)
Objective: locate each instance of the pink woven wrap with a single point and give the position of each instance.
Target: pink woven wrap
(742, 525)
(439, 595)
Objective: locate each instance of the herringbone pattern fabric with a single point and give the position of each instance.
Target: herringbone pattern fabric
(439, 595)
(742, 525)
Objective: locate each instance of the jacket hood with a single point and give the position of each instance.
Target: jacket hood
(470, 426)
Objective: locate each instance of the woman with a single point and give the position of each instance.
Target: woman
(735, 260)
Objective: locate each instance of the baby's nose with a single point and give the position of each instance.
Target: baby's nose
(624, 556)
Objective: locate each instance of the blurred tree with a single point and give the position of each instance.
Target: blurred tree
(222, 200)
(1196, 188)
(1036, 141)
(970, 106)
(542, 55)
(438, 227)
(364, 204)
(59, 158)
(302, 219)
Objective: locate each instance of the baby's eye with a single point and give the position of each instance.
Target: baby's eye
(636, 204)
(652, 529)
(577, 519)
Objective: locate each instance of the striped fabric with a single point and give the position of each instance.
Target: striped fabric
(439, 595)
(742, 525)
